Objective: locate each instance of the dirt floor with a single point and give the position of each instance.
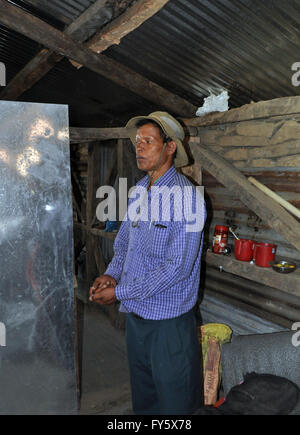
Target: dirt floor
(105, 386)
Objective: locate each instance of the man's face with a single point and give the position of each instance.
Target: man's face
(149, 144)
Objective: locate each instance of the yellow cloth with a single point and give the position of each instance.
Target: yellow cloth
(212, 336)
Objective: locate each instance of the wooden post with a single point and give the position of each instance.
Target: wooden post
(120, 157)
(93, 182)
(79, 200)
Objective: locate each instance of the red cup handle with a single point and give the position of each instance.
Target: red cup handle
(254, 252)
(239, 248)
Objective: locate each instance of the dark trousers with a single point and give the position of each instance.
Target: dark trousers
(165, 365)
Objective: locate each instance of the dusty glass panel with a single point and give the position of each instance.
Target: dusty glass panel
(37, 357)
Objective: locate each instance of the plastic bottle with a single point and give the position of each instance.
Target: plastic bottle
(220, 239)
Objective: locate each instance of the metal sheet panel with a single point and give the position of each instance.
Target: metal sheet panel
(37, 363)
(213, 310)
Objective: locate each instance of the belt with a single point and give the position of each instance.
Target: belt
(137, 316)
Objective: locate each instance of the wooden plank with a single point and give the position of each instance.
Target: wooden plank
(267, 143)
(292, 161)
(94, 159)
(260, 110)
(41, 32)
(84, 26)
(120, 157)
(78, 209)
(226, 197)
(283, 150)
(130, 20)
(276, 129)
(95, 231)
(281, 156)
(92, 185)
(266, 208)
(102, 233)
(242, 141)
(289, 283)
(283, 202)
(110, 176)
(283, 180)
(194, 173)
(81, 135)
(78, 198)
(99, 258)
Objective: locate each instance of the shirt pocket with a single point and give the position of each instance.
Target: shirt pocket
(160, 233)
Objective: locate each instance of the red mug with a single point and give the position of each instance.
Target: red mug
(243, 249)
(264, 253)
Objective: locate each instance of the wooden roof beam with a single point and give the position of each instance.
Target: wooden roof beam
(46, 59)
(130, 20)
(32, 27)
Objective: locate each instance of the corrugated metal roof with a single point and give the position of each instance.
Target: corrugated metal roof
(83, 90)
(65, 11)
(15, 49)
(191, 47)
(197, 46)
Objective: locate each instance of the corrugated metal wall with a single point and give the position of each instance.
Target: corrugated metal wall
(242, 322)
(251, 297)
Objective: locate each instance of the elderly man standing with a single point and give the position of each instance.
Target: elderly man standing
(155, 274)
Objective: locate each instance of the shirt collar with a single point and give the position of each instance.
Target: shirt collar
(166, 178)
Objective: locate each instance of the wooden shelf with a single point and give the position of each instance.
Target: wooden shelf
(105, 234)
(96, 232)
(289, 283)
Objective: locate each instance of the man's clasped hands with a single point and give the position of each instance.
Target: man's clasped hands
(103, 290)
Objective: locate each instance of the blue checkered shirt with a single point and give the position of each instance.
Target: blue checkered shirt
(157, 263)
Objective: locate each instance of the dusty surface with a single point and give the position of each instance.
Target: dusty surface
(105, 386)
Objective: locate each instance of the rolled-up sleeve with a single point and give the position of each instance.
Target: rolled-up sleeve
(115, 267)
